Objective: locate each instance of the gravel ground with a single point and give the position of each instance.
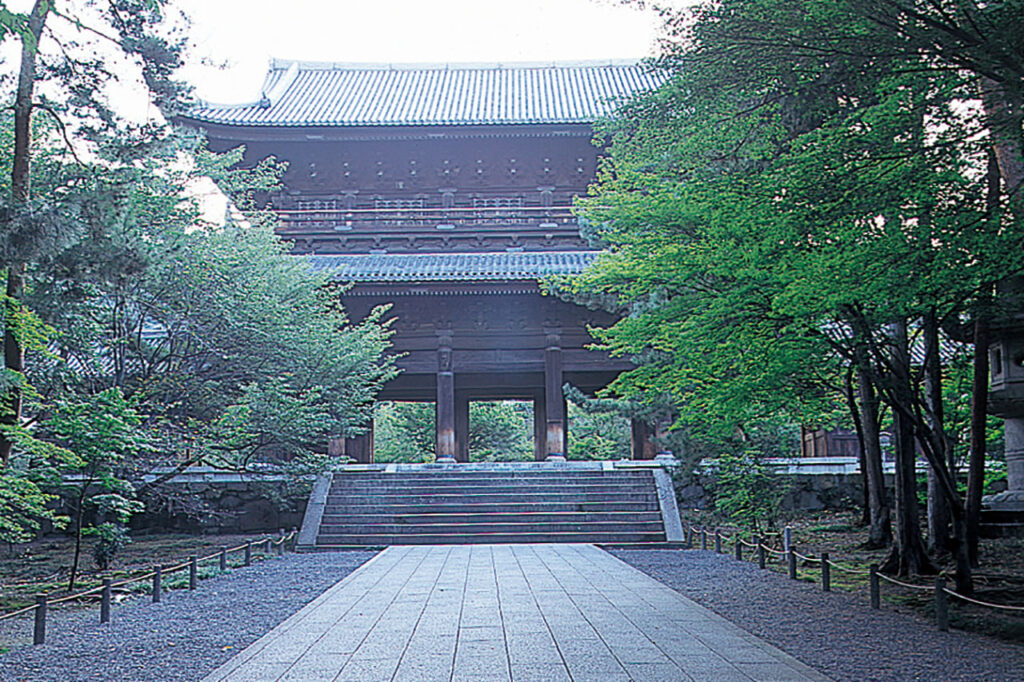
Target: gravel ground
(185, 636)
(838, 633)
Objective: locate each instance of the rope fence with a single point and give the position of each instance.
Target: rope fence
(790, 557)
(156, 575)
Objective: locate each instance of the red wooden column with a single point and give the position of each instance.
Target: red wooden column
(641, 445)
(360, 448)
(461, 426)
(553, 399)
(540, 427)
(445, 403)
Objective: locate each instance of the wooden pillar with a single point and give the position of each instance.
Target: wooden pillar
(445, 404)
(360, 448)
(641, 446)
(336, 447)
(461, 427)
(554, 400)
(540, 427)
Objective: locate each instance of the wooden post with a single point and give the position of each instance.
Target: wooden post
(787, 541)
(738, 549)
(461, 427)
(689, 537)
(223, 558)
(445, 415)
(105, 596)
(876, 587)
(941, 605)
(554, 401)
(703, 539)
(267, 546)
(791, 559)
(193, 572)
(39, 632)
(718, 541)
(248, 552)
(826, 573)
(760, 552)
(295, 537)
(158, 583)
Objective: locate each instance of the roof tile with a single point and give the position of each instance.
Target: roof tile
(309, 94)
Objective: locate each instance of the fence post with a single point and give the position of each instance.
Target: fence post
(280, 546)
(223, 558)
(718, 541)
(703, 539)
(39, 633)
(689, 537)
(826, 573)
(791, 558)
(248, 552)
(760, 552)
(158, 580)
(266, 546)
(295, 537)
(105, 600)
(787, 541)
(738, 549)
(193, 572)
(941, 605)
(876, 588)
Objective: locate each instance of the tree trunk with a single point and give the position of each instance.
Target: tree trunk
(908, 555)
(880, 528)
(14, 353)
(851, 402)
(1004, 116)
(80, 512)
(976, 458)
(939, 538)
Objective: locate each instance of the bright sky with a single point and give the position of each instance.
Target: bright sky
(244, 34)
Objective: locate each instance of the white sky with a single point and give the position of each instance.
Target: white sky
(234, 40)
(244, 34)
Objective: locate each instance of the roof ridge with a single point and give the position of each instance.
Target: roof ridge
(277, 64)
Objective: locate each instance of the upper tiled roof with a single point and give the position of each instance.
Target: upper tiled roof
(317, 94)
(453, 267)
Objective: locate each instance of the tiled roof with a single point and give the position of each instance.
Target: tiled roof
(453, 267)
(317, 94)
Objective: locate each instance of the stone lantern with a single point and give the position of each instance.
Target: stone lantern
(1006, 400)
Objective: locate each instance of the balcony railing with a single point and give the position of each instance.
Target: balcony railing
(432, 218)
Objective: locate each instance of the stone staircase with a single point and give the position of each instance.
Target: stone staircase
(500, 503)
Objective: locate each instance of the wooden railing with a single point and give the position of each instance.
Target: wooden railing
(823, 563)
(157, 575)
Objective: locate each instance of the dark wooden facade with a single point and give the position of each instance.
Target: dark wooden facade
(447, 222)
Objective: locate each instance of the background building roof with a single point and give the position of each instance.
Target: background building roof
(453, 267)
(328, 94)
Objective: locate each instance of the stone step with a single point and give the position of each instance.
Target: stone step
(400, 489)
(337, 541)
(653, 516)
(487, 528)
(504, 507)
(473, 497)
(505, 474)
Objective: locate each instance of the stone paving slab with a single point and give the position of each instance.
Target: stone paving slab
(506, 612)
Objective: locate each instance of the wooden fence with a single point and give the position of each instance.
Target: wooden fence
(940, 593)
(156, 575)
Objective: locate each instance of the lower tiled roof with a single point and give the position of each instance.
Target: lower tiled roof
(453, 267)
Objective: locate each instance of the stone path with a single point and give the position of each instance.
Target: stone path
(506, 612)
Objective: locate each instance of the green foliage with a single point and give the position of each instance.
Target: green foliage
(500, 431)
(110, 539)
(746, 490)
(598, 435)
(779, 200)
(404, 432)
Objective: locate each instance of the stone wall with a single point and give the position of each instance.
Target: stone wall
(207, 501)
(802, 492)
